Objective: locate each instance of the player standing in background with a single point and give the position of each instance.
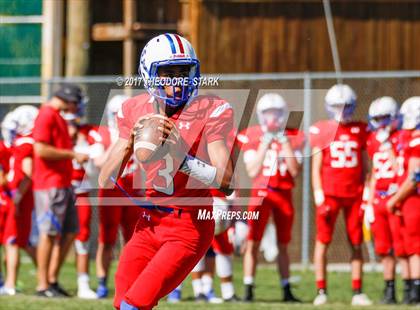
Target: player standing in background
(7, 127)
(386, 227)
(406, 201)
(272, 155)
(54, 197)
(337, 180)
(170, 238)
(112, 215)
(81, 175)
(18, 221)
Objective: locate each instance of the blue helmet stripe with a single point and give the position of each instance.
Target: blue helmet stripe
(171, 42)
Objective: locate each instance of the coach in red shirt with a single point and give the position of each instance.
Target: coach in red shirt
(54, 198)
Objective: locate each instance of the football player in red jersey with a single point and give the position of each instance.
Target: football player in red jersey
(19, 217)
(406, 200)
(7, 131)
(81, 175)
(386, 227)
(169, 238)
(112, 216)
(272, 156)
(337, 180)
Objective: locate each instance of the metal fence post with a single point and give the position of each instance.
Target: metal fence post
(306, 191)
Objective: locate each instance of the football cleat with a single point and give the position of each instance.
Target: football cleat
(340, 102)
(213, 299)
(249, 293)
(320, 299)
(5, 291)
(360, 300)
(60, 291)
(288, 295)
(86, 293)
(201, 298)
(175, 296)
(169, 50)
(389, 296)
(102, 291)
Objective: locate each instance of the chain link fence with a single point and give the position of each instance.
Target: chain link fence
(304, 92)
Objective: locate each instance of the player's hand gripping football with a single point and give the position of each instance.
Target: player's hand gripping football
(172, 137)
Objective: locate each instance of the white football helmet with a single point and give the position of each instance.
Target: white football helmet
(410, 111)
(112, 108)
(8, 129)
(383, 112)
(25, 116)
(340, 102)
(276, 121)
(167, 50)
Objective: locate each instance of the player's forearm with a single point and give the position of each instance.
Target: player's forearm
(114, 165)
(372, 186)
(406, 189)
(49, 152)
(292, 164)
(253, 166)
(316, 171)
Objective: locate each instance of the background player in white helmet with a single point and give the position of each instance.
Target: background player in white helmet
(18, 221)
(337, 181)
(112, 216)
(386, 227)
(406, 200)
(272, 156)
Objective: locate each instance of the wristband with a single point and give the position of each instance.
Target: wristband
(198, 169)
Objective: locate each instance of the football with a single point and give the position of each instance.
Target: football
(146, 139)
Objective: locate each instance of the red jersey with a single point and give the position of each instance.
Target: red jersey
(5, 154)
(342, 146)
(206, 119)
(383, 156)
(273, 173)
(23, 147)
(408, 147)
(51, 128)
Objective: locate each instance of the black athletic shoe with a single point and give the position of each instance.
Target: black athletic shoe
(415, 292)
(57, 288)
(48, 293)
(249, 293)
(406, 295)
(288, 295)
(234, 298)
(389, 296)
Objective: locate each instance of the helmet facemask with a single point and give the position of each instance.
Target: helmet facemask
(175, 89)
(272, 120)
(342, 113)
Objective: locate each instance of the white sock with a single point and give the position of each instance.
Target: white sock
(83, 280)
(227, 290)
(248, 280)
(197, 287)
(207, 284)
(179, 287)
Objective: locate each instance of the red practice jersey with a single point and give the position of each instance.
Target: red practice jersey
(383, 156)
(206, 119)
(274, 171)
(408, 147)
(342, 146)
(5, 153)
(23, 147)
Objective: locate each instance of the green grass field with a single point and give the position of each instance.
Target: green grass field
(268, 294)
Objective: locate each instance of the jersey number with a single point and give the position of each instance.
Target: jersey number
(383, 166)
(165, 172)
(344, 154)
(272, 163)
